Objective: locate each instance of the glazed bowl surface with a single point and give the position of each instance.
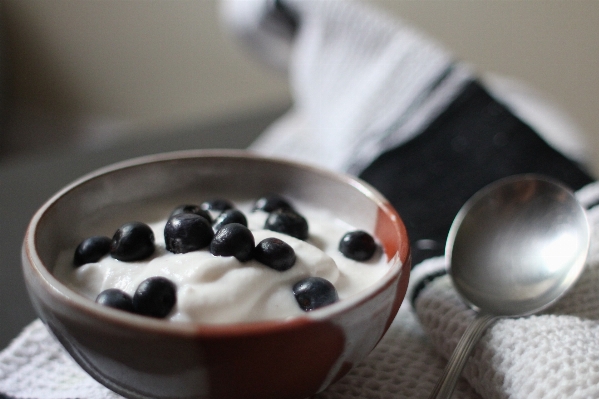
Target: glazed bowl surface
(142, 357)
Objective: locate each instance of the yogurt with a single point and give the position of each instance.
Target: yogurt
(215, 289)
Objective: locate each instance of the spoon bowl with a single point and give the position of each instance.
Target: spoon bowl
(517, 245)
(514, 249)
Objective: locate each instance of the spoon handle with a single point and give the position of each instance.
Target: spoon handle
(457, 361)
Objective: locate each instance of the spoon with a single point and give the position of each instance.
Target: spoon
(513, 249)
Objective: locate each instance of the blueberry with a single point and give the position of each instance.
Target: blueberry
(115, 298)
(287, 222)
(91, 249)
(155, 297)
(217, 204)
(233, 239)
(229, 216)
(195, 209)
(132, 241)
(187, 232)
(314, 292)
(275, 253)
(271, 203)
(357, 245)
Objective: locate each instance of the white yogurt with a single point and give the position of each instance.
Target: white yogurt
(215, 289)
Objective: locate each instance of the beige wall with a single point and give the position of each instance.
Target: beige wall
(102, 66)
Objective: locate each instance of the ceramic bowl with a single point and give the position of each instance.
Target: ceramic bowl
(142, 357)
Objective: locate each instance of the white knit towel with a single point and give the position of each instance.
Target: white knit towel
(362, 83)
(554, 354)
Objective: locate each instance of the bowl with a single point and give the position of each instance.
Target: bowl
(143, 357)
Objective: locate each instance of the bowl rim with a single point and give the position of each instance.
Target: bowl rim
(70, 298)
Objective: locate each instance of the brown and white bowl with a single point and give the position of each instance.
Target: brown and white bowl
(141, 357)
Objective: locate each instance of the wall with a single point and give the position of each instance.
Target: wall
(97, 68)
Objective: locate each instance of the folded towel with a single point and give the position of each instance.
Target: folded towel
(375, 97)
(553, 354)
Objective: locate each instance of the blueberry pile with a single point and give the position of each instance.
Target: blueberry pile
(132, 241)
(192, 227)
(154, 297)
(228, 234)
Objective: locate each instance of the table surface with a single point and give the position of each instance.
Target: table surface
(27, 182)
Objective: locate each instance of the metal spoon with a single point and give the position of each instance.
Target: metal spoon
(513, 249)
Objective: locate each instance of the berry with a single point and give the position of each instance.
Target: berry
(195, 209)
(217, 204)
(271, 203)
(287, 222)
(115, 298)
(91, 249)
(229, 216)
(187, 232)
(155, 297)
(132, 241)
(314, 292)
(357, 245)
(233, 239)
(275, 253)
